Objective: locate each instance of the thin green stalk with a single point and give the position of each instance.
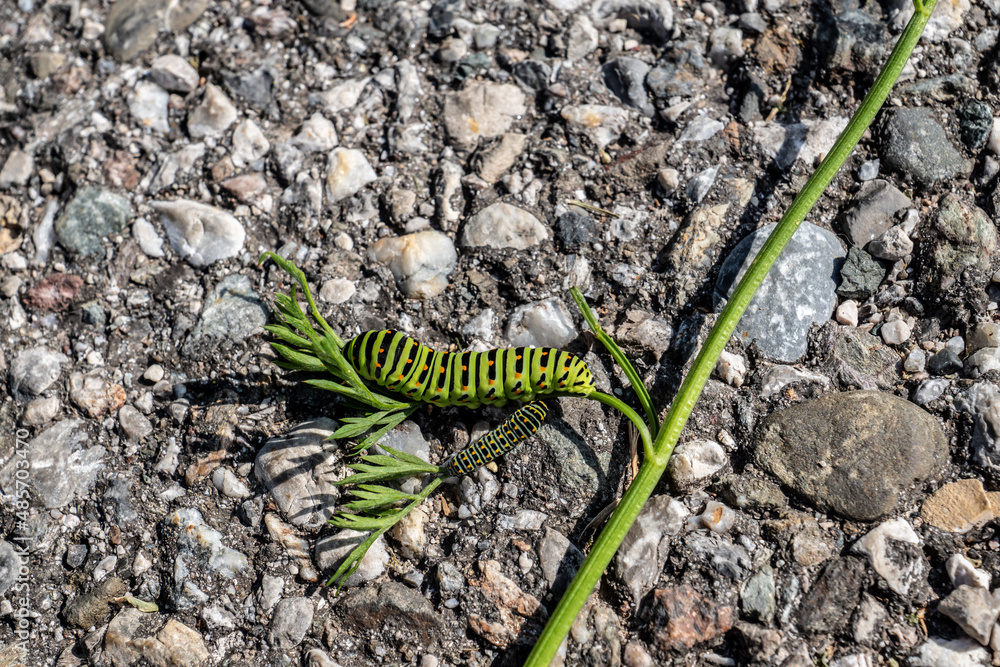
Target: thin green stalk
(652, 469)
(621, 406)
(633, 376)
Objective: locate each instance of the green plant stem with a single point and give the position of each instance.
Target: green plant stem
(652, 469)
(621, 406)
(633, 376)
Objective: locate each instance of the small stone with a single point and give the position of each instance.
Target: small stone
(174, 73)
(34, 370)
(199, 233)
(958, 507)
(348, 172)
(149, 106)
(304, 499)
(17, 169)
(896, 332)
(546, 323)
(986, 334)
(847, 313)
(698, 187)
(331, 550)
(936, 652)
(974, 609)
(944, 362)
(915, 143)
(581, 38)
(53, 294)
(900, 568)
(654, 18)
(893, 245)
(482, 110)
(502, 225)
(694, 463)
(872, 212)
(232, 313)
(94, 394)
(134, 424)
(963, 573)
(757, 595)
(132, 27)
(804, 142)
(929, 390)
(89, 217)
(40, 411)
(502, 157)
(154, 373)
(669, 180)
(731, 368)
(337, 291)
(228, 484)
(725, 46)
(316, 134)
(860, 275)
(915, 360)
(682, 618)
(419, 262)
(717, 517)
(868, 170)
(600, 124)
(975, 122)
(212, 116)
(625, 77)
(249, 144)
(150, 242)
(291, 621)
(701, 129)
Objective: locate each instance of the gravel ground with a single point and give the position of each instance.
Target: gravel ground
(425, 164)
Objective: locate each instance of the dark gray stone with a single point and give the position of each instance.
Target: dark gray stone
(532, 74)
(390, 608)
(851, 41)
(573, 230)
(860, 276)
(717, 552)
(748, 493)
(914, 143)
(76, 555)
(89, 217)
(625, 78)
(975, 122)
(974, 609)
(757, 595)
(800, 290)
(680, 73)
(852, 453)
(132, 25)
(827, 607)
(945, 362)
(966, 241)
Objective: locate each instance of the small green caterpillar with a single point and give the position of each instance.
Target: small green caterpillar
(399, 363)
(520, 426)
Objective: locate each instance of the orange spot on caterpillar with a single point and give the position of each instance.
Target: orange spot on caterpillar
(517, 375)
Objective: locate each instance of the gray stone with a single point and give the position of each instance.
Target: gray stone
(654, 18)
(559, 559)
(212, 116)
(975, 122)
(975, 610)
(40, 411)
(291, 621)
(134, 424)
(757, 595)
(296, 469)
(807, 269)
(17, 169)
(482, 110)
(894, 551)
(391, 608)
(748, 493)
(625, 78)
(719, 553)
(332, 550)
(914, 143)
(501, 225)
(966, 240)
(89, 217)
(10, 566)
(233, 312)
(853, 453)
(60, 464)
(872, 212)
(860, 275)
(132, 25)
(827, 607)
(33, 371)
(171, 72)
(643, 553)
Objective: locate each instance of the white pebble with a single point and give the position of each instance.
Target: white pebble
(501, 225)
(963, 573)
(337, 290)
(545, 323)
(847, 313)
(993, 143)
(731, 368)
(212, 116)
(717, 517)
(895, 332)
(174, 73)
(915, 360)
(154, 373)
(150, 242)
(317, 134)
(249, 144)
(695, 462)
(148, 105)
(600, 124)
(228, 484)
(349, 171)
(200, 233)
(419, 262)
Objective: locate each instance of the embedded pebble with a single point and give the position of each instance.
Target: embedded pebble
(40, 411)
(803, 142)
(228, 484)
(150, 242)
(199, 233)
(872, 212)
(937, 652)
(331, 550)
(600, 124)
(249, 144)
(482, 110)
(929, 390)
(731, 368)
(291, 621)
(958, 507)
(847, 313)
(644, 551)
(717, 517)
(545, 323)
(499, 159)
(337, 290)
(986, 334)
(780, 325)
(154, 373)
(94, 394)
(900, 568)
(89, 217)
(915, 143)
(896, 332)
(316, 134)
(148, 106)
(295, 469)
(347, 173)
(974, 609)
(17, 169)
(893, 245)
(963, 573)
(695, 462)
(233, 312)
(34, 370)
(134, 424)
(411, 533)
(502, 225)
(172, 72)
(212, 116)
(419, 262)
